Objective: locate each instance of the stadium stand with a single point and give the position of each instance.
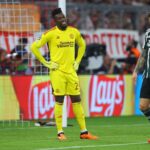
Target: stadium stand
(35, 16)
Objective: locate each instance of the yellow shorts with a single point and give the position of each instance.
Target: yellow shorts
(64, 83)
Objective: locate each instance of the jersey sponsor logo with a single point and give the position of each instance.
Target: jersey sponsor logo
(65, 44)
(106, 95)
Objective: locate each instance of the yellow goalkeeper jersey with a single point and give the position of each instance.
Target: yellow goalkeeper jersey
(61, 44)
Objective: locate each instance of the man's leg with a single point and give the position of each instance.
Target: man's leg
(58, 116)
(79, 114)
(78, 111)
(145, 99)
(58, 83)
(145, 107)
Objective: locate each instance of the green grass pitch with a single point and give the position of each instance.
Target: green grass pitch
(115, 133)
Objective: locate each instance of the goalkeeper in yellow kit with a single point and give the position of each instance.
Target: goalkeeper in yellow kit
(61, 41)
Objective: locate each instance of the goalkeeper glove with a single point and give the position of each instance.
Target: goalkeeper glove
(51, 65)
(76, 66)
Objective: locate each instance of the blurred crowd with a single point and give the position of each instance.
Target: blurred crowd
(90, 15)
(17, 61)
(95, 14)
(110, 19)
(95, 61)
(124, 2)
(20, 61)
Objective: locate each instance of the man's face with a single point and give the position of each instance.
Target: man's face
(61, 21)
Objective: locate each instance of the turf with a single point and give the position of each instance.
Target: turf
(115, 133)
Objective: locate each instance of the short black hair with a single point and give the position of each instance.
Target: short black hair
(56, 11)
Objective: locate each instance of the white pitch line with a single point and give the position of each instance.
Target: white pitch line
(92, 146)
(34, 127)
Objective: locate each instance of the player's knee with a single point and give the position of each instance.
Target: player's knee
(143, 107)
(75, 98)
(59, 99)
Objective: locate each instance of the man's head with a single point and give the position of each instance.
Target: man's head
(107, 60)
(59, 18)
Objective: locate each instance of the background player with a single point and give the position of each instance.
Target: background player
(61, 41)
(144, 61)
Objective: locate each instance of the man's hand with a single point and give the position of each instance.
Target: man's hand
(76, 66)
(134, 77)
(51, 65)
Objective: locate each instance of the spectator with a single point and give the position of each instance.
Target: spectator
(93, 58)
(133, 52)
(133, 49)
(95, 49)
(74, 18)
(127, 68)
(111, 20)
(6, 66)
(137, 2)
(127, 2)
(109, 66)
(133, 55)
(92, 22)
(2, 61)
(128, 21)
(20, 60)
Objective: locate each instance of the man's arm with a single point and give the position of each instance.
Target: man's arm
(139, 65)
(112, 66)
(140, 62)
(81, 49)
(35, 48)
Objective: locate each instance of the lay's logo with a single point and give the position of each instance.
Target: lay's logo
(106, 95)
(41, 101)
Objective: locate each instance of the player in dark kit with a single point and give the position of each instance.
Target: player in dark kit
(144, 63)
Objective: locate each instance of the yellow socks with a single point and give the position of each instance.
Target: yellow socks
(79, 114)
(58, 116)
